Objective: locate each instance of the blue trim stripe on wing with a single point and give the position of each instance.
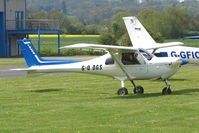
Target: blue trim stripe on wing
(33, 59)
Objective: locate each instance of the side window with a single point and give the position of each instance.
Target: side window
(130, 58)
(109, 61)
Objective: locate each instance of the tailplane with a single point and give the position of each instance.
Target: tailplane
(32, 57)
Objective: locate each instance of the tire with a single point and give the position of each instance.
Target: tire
(139, 90)
(166, 91)
(122, 91)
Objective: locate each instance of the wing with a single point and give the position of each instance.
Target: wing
(107, 47)
(113, 50)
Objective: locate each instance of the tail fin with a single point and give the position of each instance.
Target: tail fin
(32, 57)
(138, 34)
(30, 54)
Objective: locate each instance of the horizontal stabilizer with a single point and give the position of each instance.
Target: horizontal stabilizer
(20, 69)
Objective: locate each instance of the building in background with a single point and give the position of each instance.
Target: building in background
(15, 26)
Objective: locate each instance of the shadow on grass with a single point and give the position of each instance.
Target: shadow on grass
(185, 91)
(178, 80)
(171, 80)
(46, 90)
(149, 95)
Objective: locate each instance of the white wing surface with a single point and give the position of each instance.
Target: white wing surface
(107, 47)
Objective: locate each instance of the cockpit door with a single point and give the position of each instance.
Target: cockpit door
(134, 64)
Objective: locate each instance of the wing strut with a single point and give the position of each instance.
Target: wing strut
(119, 64)
(117, 61)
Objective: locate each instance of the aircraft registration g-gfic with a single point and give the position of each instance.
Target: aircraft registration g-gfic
(142, 39)
(122, 63)
(188, 53)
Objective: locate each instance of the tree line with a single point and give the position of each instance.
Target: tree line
(96, 11)
(169, 23)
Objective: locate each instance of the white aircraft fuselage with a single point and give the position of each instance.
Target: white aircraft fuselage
(190, 54)
(156, 68)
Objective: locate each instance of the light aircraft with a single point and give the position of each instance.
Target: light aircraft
(122, 63)
(142, 39)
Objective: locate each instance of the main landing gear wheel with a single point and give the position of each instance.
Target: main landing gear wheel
(139, 90)
(166, 90)
(122, 91)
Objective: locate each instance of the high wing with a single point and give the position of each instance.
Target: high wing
(109, 48)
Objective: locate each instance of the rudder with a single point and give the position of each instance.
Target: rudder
(137, 33)
(33, 59)
(29, 52)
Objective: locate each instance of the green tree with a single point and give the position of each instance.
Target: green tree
(107, 39)
(92, 29)
(171, 23)
(125, 40)
(153, 21)
(177, 21)
(118, 26)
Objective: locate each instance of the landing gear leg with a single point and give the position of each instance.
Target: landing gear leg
(166, 90)
(122, 91)
(137, 89)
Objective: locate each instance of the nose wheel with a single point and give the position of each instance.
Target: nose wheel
(166, 90)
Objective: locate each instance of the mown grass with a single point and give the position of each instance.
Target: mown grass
(187, 42)
(72, 103)
(49, 45)
(12, 62)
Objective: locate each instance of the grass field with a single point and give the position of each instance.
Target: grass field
(187, 42)
(72, 103)
(49, 45)
(52, 42)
